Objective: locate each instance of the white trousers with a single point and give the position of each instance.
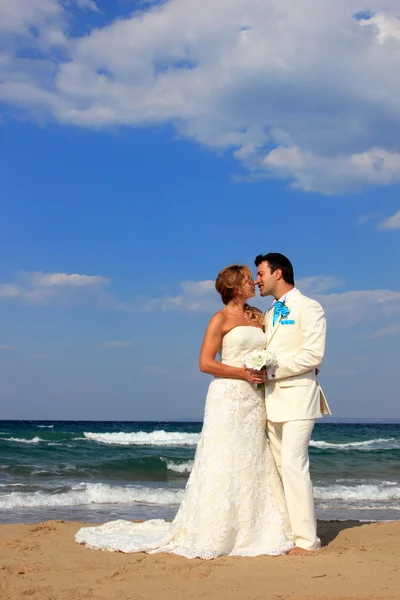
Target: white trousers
(289, 444)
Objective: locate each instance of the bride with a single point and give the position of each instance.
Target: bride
(233, 503)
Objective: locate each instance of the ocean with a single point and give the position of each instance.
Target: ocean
(99, 471)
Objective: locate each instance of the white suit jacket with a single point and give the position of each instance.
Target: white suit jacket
(298, 341)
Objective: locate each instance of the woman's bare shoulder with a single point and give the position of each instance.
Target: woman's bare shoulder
(219, 318)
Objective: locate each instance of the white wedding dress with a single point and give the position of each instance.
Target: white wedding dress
(233, 503)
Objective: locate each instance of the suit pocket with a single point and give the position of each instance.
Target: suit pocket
(293, 381)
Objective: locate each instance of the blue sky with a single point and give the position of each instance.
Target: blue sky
(144, 147)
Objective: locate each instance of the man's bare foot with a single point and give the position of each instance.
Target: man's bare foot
(296, 550)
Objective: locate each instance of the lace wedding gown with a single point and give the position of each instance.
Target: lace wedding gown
(234, 503)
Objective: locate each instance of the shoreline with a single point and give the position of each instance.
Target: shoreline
(94, 523)
(358, 561)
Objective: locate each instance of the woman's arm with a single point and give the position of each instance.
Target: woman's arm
(211, 344)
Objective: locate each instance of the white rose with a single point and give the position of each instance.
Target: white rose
(257, 359)
(270, 359)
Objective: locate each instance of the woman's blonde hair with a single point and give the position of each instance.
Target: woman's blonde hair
(255, 314)
(229, 281)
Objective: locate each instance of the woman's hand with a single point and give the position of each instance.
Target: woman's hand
(253, 376)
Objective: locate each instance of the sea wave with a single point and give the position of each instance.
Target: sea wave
(50, 470)
(12, 484)
(86, 494)
(372, 492)
(92, 493)
(361, 507)
(377, 444)
(60, 444)
(184, 467)
(141, 438)
(45, 426)
(34, 440)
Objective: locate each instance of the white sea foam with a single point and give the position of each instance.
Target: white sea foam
(141, 438)
(378, 444)
(45, 426)
(92, 493)
(358, 507)
(12, 484)
(86, 494)
(60, 444)
(184, 467)
(35, 440)
(365, 492)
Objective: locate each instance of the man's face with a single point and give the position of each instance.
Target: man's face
(266, 280)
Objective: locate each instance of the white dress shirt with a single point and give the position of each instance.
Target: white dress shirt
(285, 297)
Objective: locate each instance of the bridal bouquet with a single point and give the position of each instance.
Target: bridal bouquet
(259, 360)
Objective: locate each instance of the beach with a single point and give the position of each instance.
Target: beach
(57, 476)
(43, 562)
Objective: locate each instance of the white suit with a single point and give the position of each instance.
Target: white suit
(294, 399)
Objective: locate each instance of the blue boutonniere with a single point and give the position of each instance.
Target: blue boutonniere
(285, 311)
(280, 310)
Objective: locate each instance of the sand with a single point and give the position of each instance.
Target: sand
(43, 562)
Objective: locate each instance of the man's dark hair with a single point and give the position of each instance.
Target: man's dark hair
(277, 261)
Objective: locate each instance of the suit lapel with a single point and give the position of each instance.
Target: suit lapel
(274, 327)
(268, 317)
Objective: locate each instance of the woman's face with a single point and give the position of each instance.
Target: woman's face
(249, 288)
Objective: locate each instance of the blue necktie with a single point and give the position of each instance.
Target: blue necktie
(279, 309)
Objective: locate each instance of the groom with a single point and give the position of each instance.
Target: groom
(295, 327)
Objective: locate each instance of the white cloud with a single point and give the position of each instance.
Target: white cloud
(362, 219)
(392, 222)
(44, 288)
(87, 4)
(194, 296)
(317, 284)
(393, 329)
(67, 279)
(387, 26)
(301, 91)
(330, 175)
(21, 16)
(198, 288)
(117, 344)
(345, 308)
(355, 306)
(9, 291)
(31, 17)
